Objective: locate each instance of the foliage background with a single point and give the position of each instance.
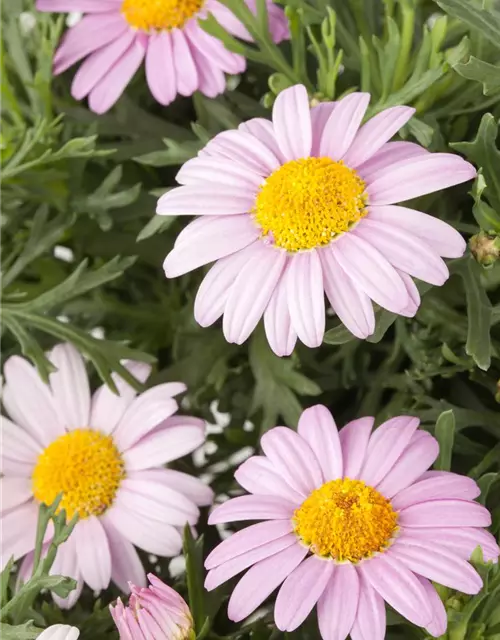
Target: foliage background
(82, 252)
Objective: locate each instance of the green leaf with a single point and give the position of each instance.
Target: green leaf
(4, 581)
(484, 72)
(487, 22)
(195, 575)
(485, 483)
(26, 631)
(176, 153)
(486, 217)
(157, 224)
(479, 313)
(445, 435)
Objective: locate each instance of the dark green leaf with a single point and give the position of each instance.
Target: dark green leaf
(445, 435)
(195, 575)
(487, 22)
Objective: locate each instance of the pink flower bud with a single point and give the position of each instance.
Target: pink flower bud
(155, 612)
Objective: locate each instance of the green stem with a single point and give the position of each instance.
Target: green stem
(407, 30)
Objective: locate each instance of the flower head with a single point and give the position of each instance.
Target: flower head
(306, 205)
(156, 611)
(59, 632)
(104, 453)
(116, 36)
(351, 519)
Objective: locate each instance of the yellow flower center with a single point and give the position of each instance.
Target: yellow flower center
(85, 466)
(346, 520)
(307, 202)
(149, 15)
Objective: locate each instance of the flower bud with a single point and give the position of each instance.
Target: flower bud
(485, 248)
(156, 612)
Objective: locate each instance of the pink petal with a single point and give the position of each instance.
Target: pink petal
(445, 513)
(213, 200)
(126, 566)
(354, 439)
(244, 149)
(319, 117)
(338, 605)
(226, 18)
(252, 508)
(258, 475)
(370, 622)
(108, 407)
(223, 236)
(301, 591)
(415, 459)
(209, 170)
(246, 540)
(343, 125)
(386, 445)
(216, 286)
(166, 444)
(66, 564)
(413, 295)
(68, 6)
(447, 486)
(371, 272)
(306, 299)
(418, 176)
(236, 565)
(375, 133)
(14, 492)
(317, 427)
(404, 251)
(18, 444)
(351, 304)
(279, 331)
(261, 580)
(213, 50)
(98, 64)
(185, 68)
(107, 91)
(293, 459)
(160, 67)
(435, 562)
(263, 130)
(440, 236)
(91, 33)
(28, 401)
(70, 386)
(145, 413)
(399, 587)
(458, 540)
(190, 486)
(251, 292)
(153, 536)
(390, 154)
(292, 122)
(156, 501)
(94, 557)
(437, 627)
(211, 78)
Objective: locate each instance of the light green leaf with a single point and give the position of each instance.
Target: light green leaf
(26, 631)
(485, 21)
(485, 483)
(445, 435)
(176, 153)
(484, 72)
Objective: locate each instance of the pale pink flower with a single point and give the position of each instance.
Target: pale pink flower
(116, 36)
(105, 454)
(157, 612)
(59, 632)
(305, 205)
(352, 518)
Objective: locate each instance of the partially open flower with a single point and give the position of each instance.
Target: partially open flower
(59, 632)
(156, 612)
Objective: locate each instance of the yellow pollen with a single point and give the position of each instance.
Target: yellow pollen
(85, 466)
(156, 15)
(307, 202)
(346, 520)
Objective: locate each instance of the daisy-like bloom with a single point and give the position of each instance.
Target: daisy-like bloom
(59, 632)
(116, 36)
(156, 612)
(305, 205)
(353, 518)
(104, 453)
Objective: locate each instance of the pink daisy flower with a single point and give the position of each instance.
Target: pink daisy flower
(116, 36)
(352, 519)
(153, 612)
(104, 454)
(305, 205)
